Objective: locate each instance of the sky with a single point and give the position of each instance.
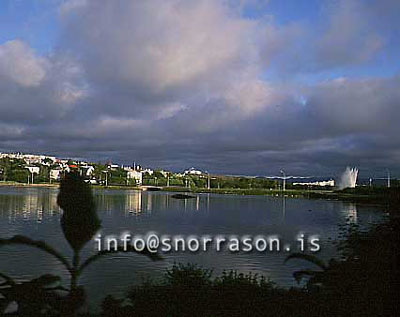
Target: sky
(244, 87)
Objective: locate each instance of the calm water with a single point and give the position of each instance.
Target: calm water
(34, 212)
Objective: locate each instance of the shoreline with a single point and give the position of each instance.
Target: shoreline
(15, 184)
(289, 193)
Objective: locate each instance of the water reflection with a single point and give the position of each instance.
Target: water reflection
(34, 204)
(349, 212)
(149, 198)
(133, 203)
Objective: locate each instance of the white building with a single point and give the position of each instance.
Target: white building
(33, 169)
(330, 183)
(87, 170)
(193, 171)
(135, 175)
(55, 174)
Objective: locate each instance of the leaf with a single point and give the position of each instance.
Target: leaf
(22, 240)
(8, 280)
(46, 279)
(307, 257)
(32, 296)
(79, 221)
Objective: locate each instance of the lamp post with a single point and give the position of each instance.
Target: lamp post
(284, 180)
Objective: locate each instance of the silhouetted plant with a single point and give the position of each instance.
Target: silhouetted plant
(79, 223)
(190, 290)
(39, 295)
(189, 275)
(362, 282)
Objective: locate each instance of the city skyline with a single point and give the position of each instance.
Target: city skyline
(231, 86)
(39, 157)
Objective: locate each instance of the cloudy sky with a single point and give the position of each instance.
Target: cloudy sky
(231, 86)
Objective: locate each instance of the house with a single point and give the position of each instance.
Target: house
(33, 169)
(87, 170)
(55, 174)
(132, 174)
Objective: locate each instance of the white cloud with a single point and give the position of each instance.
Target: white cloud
(250, 96)
(159, 45)
(19, 64)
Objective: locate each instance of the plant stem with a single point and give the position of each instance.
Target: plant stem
(75, 271)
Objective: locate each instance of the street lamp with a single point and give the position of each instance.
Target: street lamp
(284, 179)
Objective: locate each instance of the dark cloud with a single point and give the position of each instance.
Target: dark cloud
(176, 84)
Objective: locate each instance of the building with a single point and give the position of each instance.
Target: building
(193, 171)
(330, 183)
(87, 170)
(132, 174)
(33, 169)
(55, 174)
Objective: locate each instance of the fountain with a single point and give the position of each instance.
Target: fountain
(348, 178)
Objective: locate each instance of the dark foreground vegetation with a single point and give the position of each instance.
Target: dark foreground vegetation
(363, 282)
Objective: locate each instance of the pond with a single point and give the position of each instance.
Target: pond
(34, 212)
